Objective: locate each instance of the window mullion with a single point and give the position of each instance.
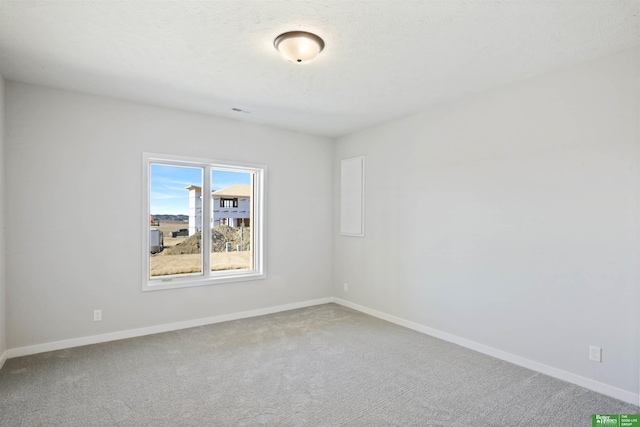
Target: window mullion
(207, 210)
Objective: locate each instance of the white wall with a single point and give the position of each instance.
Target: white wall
(73, 198)
(3, 292)
(509, 219)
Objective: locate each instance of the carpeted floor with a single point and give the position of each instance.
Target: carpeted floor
(319, 366)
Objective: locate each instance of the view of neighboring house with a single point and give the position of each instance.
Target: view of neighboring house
(231, 206)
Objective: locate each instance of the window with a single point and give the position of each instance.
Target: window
(228, 203)
(206, 222)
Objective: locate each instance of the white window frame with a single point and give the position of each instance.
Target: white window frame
(207, 277)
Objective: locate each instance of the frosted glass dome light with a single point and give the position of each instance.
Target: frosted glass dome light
(298, 46)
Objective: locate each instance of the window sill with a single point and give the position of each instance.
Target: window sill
(193, 281)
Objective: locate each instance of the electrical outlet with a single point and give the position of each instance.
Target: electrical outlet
(595, 353)
(346, 287)
(97, 315)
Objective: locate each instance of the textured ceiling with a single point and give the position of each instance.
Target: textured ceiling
(382, 60)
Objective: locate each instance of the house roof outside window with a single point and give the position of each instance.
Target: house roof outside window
(235, 190)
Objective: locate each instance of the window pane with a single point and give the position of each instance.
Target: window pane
(231, 220)
(175, 238)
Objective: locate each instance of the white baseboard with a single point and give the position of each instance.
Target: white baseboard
(596, 386)
(132, 333)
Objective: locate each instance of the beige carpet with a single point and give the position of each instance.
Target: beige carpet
(318, 366)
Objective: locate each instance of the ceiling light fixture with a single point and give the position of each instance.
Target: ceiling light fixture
(298, 46)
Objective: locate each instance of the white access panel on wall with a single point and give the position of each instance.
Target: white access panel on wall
(352, 197)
